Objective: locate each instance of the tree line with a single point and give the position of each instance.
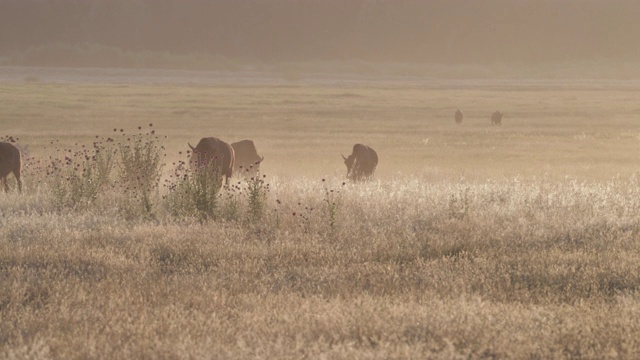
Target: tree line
(448, 31)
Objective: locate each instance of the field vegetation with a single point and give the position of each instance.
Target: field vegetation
(473, 241)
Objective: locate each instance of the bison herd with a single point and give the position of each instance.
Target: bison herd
(242, 156)
(223, 158)
(238, 157)
(496, 117)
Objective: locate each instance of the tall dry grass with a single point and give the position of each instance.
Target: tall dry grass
(515, 268)
(449, 255)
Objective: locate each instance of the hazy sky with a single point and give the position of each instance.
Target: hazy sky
(447, 31)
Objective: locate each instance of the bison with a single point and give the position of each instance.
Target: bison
(458, 116)
(246, 157)
(362, 162)
(496, 118)
(9, 162)
(214, 152)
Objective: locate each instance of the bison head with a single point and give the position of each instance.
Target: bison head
(349, 161)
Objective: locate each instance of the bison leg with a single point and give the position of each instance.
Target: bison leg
(227, 177)
(17, 175)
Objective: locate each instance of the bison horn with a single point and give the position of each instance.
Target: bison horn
(262, 158)
(192, 148)
(345, 159)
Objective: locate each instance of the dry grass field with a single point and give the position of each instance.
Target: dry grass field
(474, 241)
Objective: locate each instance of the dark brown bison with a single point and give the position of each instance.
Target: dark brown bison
(362, 162)
(247, 159)
(496, 118)
(213, 151)
(458, 116)
(9, 163)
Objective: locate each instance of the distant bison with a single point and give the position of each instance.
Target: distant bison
(9, 163)
(247, 159)
(362, 162)
(458, 116)
(496, 118)
(214, 152)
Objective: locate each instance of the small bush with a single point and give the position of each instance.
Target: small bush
(140, 167)
(79, 177)
(231, 205)
(332, 203)
(256, 194)
(194, 193)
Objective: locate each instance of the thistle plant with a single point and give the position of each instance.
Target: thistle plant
(231, 207)
(256, 194)
(140, 167)
(332, 203)
(79, 176)
(194, 193)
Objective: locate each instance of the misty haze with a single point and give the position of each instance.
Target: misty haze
(342, 179)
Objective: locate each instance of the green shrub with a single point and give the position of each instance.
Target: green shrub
(79, 177)
(140, 167)
(332, 203)
(256, 194)
(231, 204)
(194, 193)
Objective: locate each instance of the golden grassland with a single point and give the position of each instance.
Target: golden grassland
(587, 132)
(519, 241)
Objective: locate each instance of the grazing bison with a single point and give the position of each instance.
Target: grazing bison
(496, 118)
(362, 162)
(213, 151)
(458, 116)
(247, 159)
(9, 163)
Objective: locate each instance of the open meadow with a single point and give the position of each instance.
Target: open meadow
(473, 241)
